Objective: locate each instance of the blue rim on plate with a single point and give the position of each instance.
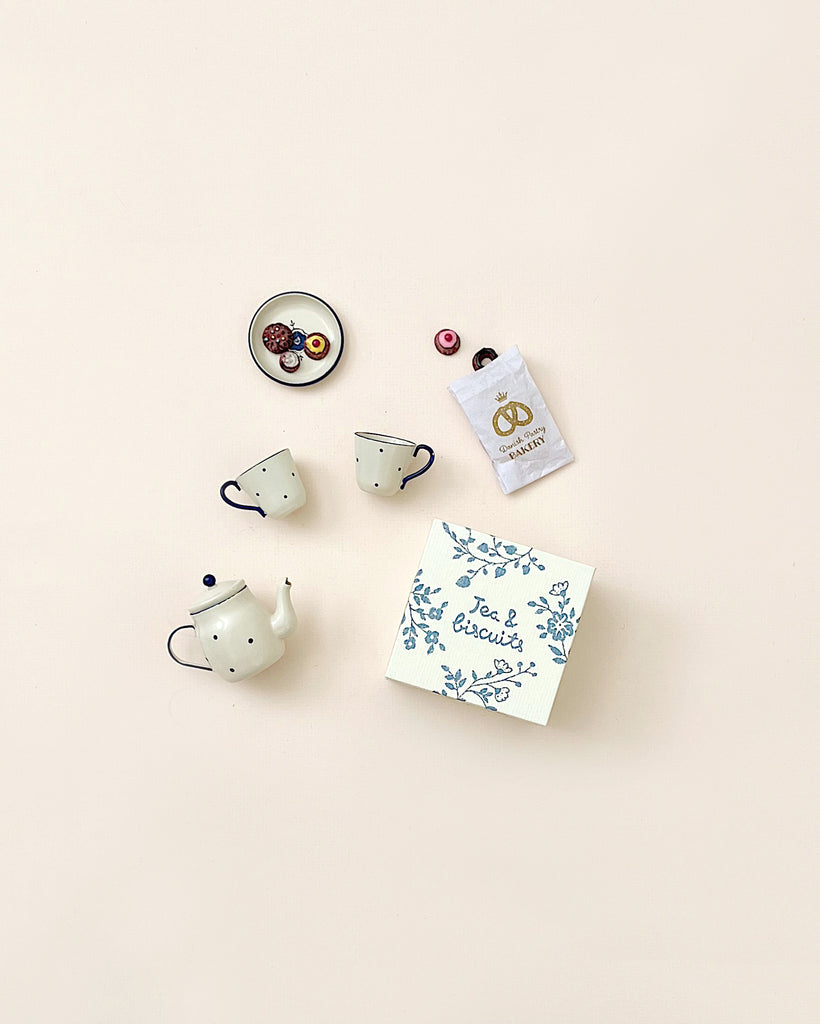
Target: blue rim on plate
(281, 378)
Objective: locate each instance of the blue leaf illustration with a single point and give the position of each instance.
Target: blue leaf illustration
(556, 650)
(463, 581)
(483, 547)
(560, 661)
(525, 569)
(510, 549)
(499, 571)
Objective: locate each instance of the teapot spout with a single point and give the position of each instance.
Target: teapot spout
(283, 622)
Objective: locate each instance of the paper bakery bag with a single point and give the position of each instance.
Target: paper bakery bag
(512, 421)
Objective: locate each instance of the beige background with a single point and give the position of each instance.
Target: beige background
(625, 190)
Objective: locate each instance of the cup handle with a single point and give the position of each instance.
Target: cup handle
(235, 504)
(188, 664)
(430, 461)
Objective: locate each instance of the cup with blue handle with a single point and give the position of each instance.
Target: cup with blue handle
(385, 464)
(273, 487)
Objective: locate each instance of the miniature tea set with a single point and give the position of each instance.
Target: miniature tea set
(296, 339)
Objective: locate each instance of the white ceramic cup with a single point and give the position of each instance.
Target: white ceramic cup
(274, 483)
(382, 462)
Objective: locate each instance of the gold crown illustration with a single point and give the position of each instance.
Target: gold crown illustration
(501, 396)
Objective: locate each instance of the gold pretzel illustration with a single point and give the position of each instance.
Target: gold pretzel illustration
(510, 416)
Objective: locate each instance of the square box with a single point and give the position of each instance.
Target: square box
(489, 622)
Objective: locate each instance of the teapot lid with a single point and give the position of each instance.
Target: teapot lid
(216, 593)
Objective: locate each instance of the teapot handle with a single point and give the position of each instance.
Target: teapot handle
(188, 664)
(430, 461)
(235, 504)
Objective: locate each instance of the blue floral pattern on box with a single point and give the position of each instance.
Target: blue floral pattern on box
(487, 688)
(491, 558)
(561, 624)
(507, 614)
(419, 613)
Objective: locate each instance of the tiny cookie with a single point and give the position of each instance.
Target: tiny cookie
(484, 357)
(277, 338)
(290, 361)
(316, 346)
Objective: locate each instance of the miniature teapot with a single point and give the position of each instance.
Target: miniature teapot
(238, 635)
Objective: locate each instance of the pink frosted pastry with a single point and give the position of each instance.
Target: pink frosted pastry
(447, 342)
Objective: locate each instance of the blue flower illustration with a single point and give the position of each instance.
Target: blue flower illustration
(485, 688)
(560, 626)
(418, 613)
(491, 559)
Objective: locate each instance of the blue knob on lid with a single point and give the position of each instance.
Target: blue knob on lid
(209, 580)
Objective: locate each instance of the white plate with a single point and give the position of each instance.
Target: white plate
(306, 312)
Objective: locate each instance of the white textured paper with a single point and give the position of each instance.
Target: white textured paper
(510, 418)
(489, 622)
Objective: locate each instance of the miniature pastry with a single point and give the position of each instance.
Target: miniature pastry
(290, 361)
(483, 357)
(447, 342)
(316, 346)
(277, 338)
(298, 340)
